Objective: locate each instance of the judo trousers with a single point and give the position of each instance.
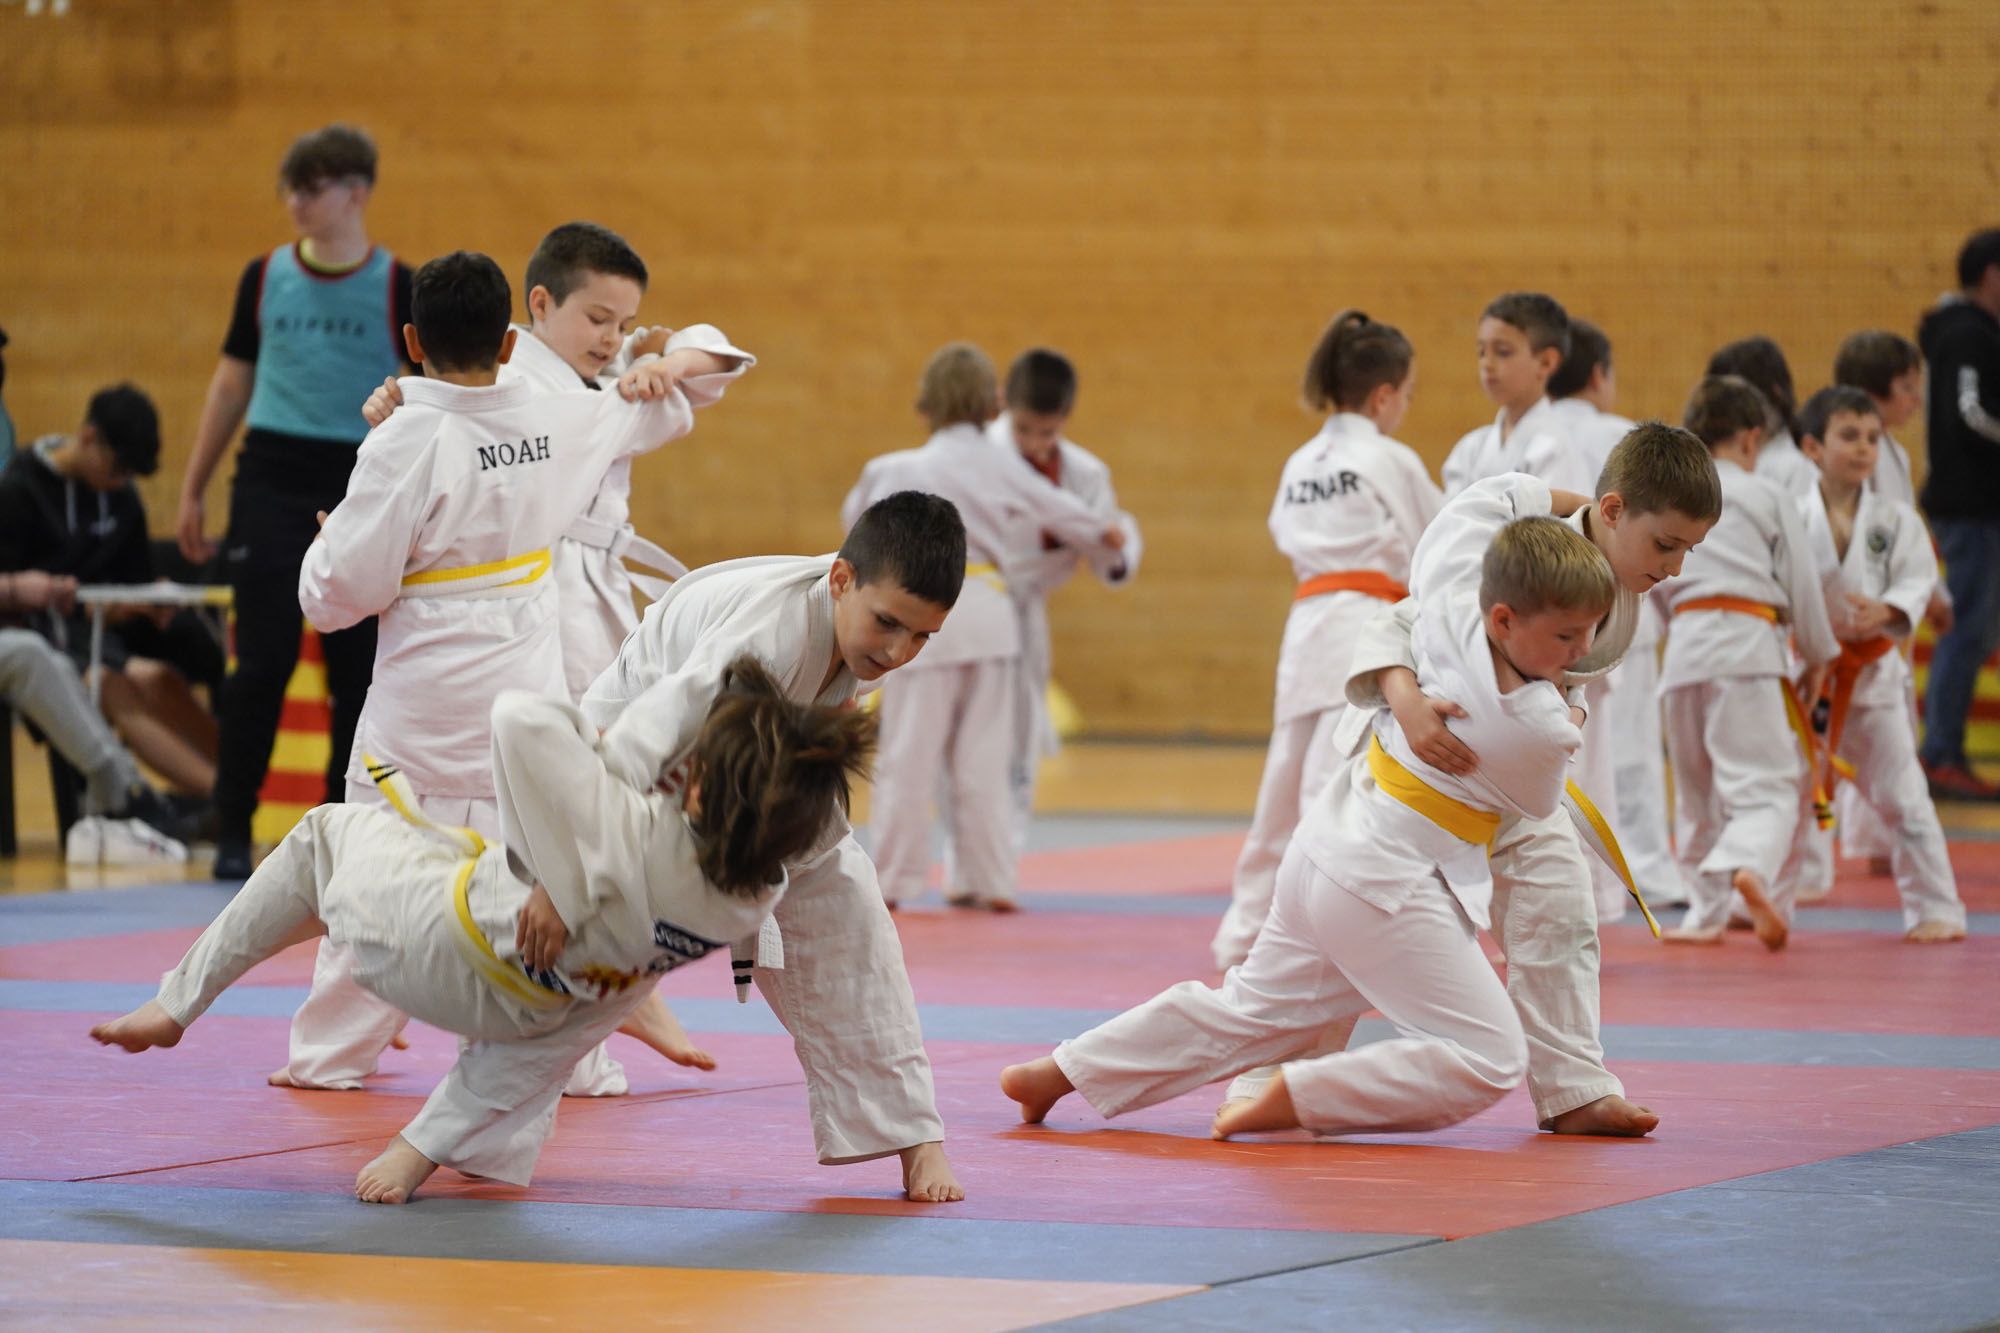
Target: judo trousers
(1323, 957)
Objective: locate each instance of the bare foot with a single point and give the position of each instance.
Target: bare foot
(1611, 1115)
(142, 1029)
(1038, 1085)
(281, 1077)
(1269, 1110)
(1881, 867)
(927, 1176)
(394, 1176)
(1772, 932)
(399, 1042)
(654, 1024)
(1693, 935)
(1935, 932)
(1001, 906)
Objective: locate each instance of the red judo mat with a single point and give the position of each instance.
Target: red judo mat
(738, 1138)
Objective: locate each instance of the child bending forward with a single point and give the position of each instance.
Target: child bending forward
(1383, 887)
(537, 950)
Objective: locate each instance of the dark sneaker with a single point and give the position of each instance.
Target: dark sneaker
(232, 861)
(1956, 782)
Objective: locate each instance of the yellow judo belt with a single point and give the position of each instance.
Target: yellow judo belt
(473, 944)
(1478, 826)
(987, 574)
(512, 572)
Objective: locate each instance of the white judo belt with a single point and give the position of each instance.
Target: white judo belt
(623, 542)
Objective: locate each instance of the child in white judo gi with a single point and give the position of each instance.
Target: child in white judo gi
(1523, 337)
(1040, 394)
(1385, 885)
(445, 532)
(1351, 504)
(533, 948)
(1657, 498)
(1889, 368)
(1761, 362)
(1623, 762)
(949, 722)
(1739, 742)
(824, 625)
(1875, 559)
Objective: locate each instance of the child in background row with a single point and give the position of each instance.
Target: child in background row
(1040, 394)
(1351, 505)
(1890, 370)
(1724, 682)
(949, 717)
(1622, 764)
(1523, 337)
(1761, 362)
(1875, 560)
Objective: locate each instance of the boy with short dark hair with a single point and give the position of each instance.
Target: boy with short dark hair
(1386, 884)
(1039, 395)
(317, 324)
(1523, 338)
(68, 507)
(1724, 683)
(1875, 560)
(832, 969)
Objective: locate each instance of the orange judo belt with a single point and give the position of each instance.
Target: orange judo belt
(1854, 659)
(1368, 581)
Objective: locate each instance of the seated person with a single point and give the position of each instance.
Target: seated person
(68, 507)
(124, 821)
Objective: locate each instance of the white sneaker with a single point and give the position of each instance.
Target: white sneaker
(96, 840)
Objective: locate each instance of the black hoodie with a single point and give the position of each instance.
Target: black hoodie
(1961, 344)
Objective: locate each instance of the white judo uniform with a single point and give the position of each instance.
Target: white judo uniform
(1737, 761)
(430, 925)
(1888, 559)
(1785, 466)
(445, 533)
(1542, 445)
(1862, 832)
(1624, 755)
(1350, 506)
(1037, 574)
(1538, 445)
(594, 586)
(1377, 906)
(950, 718)
(1544, 910)
(837, 982)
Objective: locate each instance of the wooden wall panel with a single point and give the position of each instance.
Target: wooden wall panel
(1178, 194)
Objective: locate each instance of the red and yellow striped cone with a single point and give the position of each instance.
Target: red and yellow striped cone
(296, 781)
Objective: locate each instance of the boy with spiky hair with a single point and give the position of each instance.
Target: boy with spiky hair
(832, 968)
(317, 324)
(1523, 338)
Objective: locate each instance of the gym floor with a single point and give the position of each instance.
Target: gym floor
(1831, 1134)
